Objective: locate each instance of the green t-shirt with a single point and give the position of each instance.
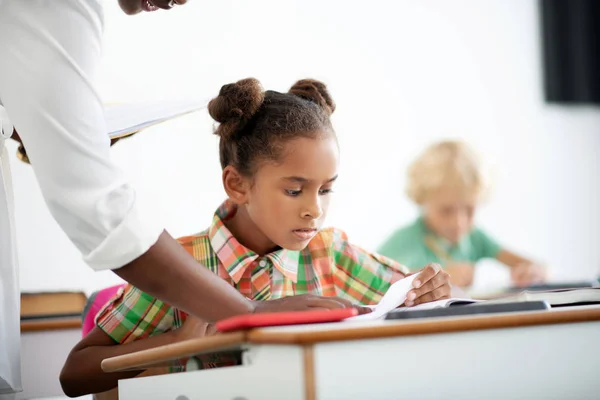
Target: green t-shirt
(412, 244)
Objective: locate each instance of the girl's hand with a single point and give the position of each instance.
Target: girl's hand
(431, 284)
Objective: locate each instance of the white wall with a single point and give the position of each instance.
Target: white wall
(404, 73)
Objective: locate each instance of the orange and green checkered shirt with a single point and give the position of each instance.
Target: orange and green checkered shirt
(328, 266)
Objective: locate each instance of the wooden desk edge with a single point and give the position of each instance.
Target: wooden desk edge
(161, 355)
(50, 324)
(439, 325)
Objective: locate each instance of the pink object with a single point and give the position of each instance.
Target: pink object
(95, 303)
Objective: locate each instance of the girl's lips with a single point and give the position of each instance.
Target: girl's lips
(305, 234)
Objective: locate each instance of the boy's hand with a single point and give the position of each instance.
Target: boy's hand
(527, 274)
(461, 274)
(431, 284)
(306, 302)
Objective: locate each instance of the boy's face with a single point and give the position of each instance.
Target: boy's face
(288, 201)
(449, 213)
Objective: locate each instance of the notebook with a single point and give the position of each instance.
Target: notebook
(468, 310)
(125, 119)
(453, 302)
(396, 296)
(556, 298)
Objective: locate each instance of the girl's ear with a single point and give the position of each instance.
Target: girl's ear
(236, 185)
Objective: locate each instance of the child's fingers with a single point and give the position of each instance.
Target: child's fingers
(343, 303)
(363, 310)
(531, 276)
(525, 274)
(335, 302)
(327, 303)
(439, 282)
(426, 274)
(436, 294)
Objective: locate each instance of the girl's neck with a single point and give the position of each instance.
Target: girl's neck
(248, 234)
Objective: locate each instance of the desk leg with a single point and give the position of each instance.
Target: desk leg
(308, 353)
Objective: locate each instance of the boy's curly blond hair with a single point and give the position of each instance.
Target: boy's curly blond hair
(447, 164)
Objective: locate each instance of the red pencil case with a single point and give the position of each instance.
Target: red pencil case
(249, 321)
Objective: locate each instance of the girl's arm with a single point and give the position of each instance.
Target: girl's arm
(82, 373)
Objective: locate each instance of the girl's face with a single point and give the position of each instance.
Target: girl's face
(449, 213)
(286, 202)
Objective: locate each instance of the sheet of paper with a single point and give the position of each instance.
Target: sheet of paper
(393, 298)
(124, 119)
(439, 304)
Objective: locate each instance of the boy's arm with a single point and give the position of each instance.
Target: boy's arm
(511, 259)
(82, 373)
(523, 272)
(461, 273)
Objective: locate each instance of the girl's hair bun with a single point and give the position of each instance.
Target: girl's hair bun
(236, 104)
(315, 91)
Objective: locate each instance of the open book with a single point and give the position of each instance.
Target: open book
(396, 296)
(555, 298)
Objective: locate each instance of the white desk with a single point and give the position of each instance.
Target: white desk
(45, 346)
(536, 355)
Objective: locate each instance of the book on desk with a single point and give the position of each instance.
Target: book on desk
(525, 301)
(556, 298)
(461, 309)
(553, 286)
(51, 310)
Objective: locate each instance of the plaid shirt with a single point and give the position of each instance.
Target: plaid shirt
(328, 266)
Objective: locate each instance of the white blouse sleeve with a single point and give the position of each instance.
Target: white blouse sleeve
(50, 55)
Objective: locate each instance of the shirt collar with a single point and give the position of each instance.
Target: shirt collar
(236, 258)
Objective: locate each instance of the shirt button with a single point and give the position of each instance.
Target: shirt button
(262, 263)
(192, 365)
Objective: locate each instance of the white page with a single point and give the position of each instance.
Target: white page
(438, 304)
(393, 298)
(123, 119)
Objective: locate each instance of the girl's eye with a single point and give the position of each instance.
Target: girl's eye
(292, 192)
(324, 192)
